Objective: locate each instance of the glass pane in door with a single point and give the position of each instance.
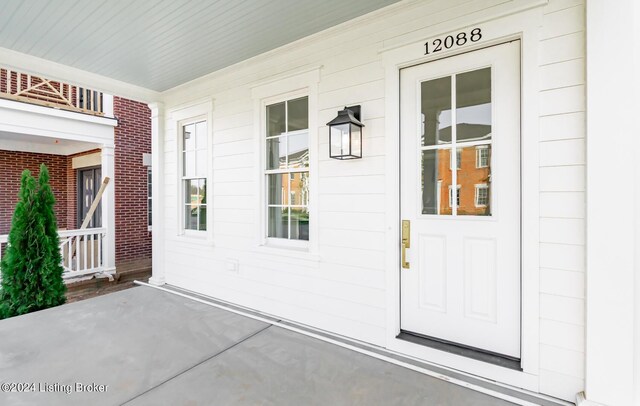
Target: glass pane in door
(436, 180)
(435, 110)
(473, 105)
(474, 179)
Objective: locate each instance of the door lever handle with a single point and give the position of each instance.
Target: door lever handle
(405, 264)
(406, 242)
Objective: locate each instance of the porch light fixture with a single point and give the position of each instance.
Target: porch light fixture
(345, 134)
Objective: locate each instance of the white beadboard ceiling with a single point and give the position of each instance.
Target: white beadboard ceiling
(159, 44)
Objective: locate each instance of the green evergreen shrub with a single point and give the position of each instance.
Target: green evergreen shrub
(31, 266)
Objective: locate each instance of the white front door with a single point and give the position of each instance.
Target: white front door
(460, 191)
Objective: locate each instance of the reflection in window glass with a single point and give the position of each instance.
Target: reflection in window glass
(287, 169)
(276, 119)
(298, 147)
(194, 172)
(473, 105)
(277, 153)
(278, 222)
(470, 139)
(436, 179)
(298, 114)
(436, 111)
(470, 176)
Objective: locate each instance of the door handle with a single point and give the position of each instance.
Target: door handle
(406, 242)
(405, 264)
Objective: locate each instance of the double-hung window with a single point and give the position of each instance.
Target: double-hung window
(482, 156)
(287, 169)
(194, 175)
(457, 195)
(482, 195)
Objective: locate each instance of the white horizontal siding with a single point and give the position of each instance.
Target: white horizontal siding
(562, 198)
(343, 288)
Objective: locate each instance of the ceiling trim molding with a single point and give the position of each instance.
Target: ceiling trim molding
(55, 71)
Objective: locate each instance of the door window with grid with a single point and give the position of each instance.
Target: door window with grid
(287, 169)
(194, 175)
(456, 133)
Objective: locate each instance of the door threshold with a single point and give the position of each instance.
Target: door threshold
(462, 350)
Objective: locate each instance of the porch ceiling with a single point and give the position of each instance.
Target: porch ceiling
(160, 44)
(43, 145)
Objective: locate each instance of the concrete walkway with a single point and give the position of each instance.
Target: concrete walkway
(150, 347)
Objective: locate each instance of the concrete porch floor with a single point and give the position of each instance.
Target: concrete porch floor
(156, 348)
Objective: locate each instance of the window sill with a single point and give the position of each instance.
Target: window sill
(289, 252)
(196, 239)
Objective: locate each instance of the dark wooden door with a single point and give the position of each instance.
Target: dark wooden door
(89, 181)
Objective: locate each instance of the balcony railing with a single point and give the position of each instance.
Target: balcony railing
(37, 90)
(81, 251)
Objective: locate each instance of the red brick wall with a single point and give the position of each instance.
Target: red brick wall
(12, 164)
(132, 139)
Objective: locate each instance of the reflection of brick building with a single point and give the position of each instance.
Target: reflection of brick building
(473, 154)
(473, 180)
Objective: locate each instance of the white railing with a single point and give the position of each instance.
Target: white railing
(81, 251)
(38, 90)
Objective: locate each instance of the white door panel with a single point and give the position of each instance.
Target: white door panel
(460, 189)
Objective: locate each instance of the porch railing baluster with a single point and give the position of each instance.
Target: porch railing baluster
(51, 93)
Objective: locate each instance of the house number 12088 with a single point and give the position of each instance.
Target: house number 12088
(449, 41)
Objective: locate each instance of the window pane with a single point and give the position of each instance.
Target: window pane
(189, 164)
(482, 156)
(202, 218)
(201, 163)
(436, 111)
(202, 191)
(188, 137)
(195, 191)
(278, 188)
(298, 118)
(469, 176)
(191, 217)
(299, 223)
(299, 189)
(436, 179)
(278, 222)
(277, 153)
(201, 135)
(298, 150)
(276, 120)
(473, 105)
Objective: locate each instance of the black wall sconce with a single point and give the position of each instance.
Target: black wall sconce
(345, 134)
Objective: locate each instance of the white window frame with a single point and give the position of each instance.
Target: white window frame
(179, 116)
(479, 158)
(478, 187)
(283, 88)
(274, 241)
(184, 178)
